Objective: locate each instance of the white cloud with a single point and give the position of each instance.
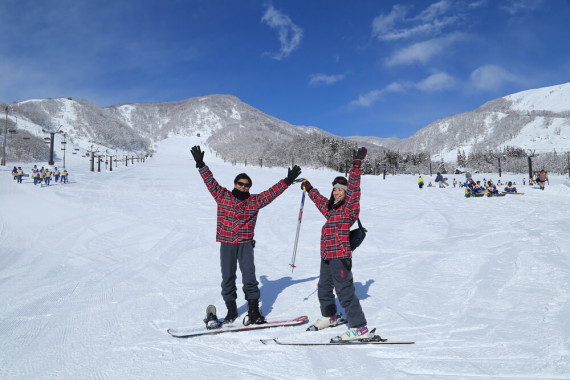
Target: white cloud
(477, 4)
(323, 79)
(382, 24)
(436, 82)
(395, 87)
(290, 35)
(433, 83)
(396, 26)
(367, 99)
(373, 96)
(435, 10)
(492, 78)
(514, 7)
(422, 52)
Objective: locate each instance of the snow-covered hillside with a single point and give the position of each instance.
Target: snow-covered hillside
(93, 273)
(535, 120)
(553, 98)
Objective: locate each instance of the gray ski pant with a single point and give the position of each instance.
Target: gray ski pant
(230, 256)
(336, 275)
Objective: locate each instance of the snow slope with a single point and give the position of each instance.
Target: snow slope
(552, 98)
(93, 273)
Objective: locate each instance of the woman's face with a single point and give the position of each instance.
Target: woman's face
(338, 194)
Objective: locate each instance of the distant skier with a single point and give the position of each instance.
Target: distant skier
(56, 174)
(64, 175)
(15, 173)
(420, 182)
(20, 174)
(341, 211)
(469, 179)
(542, 178)
(470, 190)
(237, 215)
(47, 176)
(439, 178)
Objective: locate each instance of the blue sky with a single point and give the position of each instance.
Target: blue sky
(368, 68)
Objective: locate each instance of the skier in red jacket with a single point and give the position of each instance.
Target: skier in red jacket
(542, 178)
(237, 215)
(341, 211)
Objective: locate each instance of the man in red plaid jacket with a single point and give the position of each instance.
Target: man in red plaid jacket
(237, 215)
(341, 211)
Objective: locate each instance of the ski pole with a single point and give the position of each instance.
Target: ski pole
(298, 229)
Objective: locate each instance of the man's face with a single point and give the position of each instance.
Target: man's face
(242, 185)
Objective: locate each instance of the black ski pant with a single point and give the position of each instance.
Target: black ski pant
(336, 275)
(230, 256)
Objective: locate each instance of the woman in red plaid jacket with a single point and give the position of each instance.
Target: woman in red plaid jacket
(237, 215)
(341, 211)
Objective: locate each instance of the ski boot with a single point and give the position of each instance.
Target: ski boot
(211, 319)
(253, 314)
(324, 322)
(232, 312)
(354, 333)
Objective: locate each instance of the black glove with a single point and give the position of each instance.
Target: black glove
(292, 174)
(358, 156)
(306, 185)
(198, 156)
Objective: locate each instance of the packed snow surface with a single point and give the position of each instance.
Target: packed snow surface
(94, 272)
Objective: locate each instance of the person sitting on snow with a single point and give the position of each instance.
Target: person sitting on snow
(510, 188)
(478, 187)
(491, 189)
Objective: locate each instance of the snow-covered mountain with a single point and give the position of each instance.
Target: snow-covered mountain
(230, 124)
(537, 120)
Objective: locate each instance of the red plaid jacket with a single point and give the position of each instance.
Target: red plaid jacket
(335, 243)
(236, 219)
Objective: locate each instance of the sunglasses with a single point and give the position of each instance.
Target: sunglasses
(244, 184)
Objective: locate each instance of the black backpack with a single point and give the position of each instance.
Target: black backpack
(357, 236)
